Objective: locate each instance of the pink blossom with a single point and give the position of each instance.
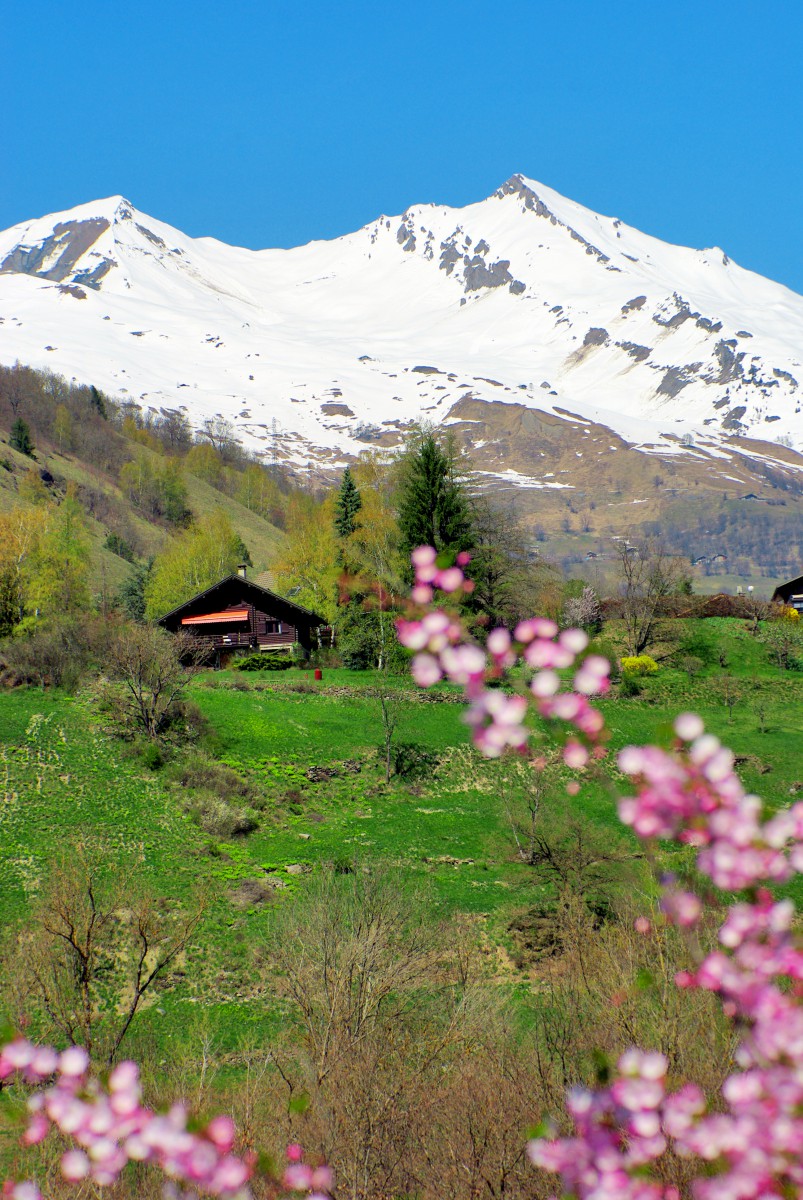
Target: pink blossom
(689, 794)
(426, 670)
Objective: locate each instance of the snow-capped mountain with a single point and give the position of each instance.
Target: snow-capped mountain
(525, 299)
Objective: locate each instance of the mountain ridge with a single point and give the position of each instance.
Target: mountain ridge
(315, 352)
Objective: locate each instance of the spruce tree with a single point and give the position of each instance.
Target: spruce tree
(433, 510)
(97, 402)
(347, 505)
(20, 438)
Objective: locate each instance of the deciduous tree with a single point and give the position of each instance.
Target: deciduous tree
(647, 575)
(192, 561)
(57, 570)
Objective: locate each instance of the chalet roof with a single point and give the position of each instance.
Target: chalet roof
(791, 587)
(247, 583)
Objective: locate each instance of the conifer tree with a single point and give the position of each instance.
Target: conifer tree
(20, 438)
(97, 402)
(433, 509)
(347, 505)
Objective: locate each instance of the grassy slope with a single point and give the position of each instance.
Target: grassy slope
(62, 773)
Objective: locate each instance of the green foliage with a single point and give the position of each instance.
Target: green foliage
(63, 428)
(697, 643)
(433, 506)
(306, 565)
(629, 685)
(11, 606)
(20, 437)
(194, 560)
(242, 550)
(264, 661)
(347, 505)
(131, 596)
(367, 639)
(119, 546)
(57, 571)
(411, 760)
(97, 402)
(156, 488)
(636, 665)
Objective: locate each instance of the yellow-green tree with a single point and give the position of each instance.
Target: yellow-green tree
(257, 491)
(156, 486)
(57, 570)
(194, 560)
(204, 462)
(20, 533)
(308, 558)
(374, 546)
(62, 428)
(32, 489)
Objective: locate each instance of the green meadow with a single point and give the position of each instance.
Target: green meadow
(310, 753)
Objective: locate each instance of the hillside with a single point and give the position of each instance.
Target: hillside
(92, 468)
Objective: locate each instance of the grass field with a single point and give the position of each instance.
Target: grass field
(310, 751)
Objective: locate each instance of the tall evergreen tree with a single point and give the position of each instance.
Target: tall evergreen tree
(347, 505)
(433, 508)
(20, 438)
(97, 402)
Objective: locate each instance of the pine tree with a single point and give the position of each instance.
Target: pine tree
(131, 596)
(97, 402)
(20, 438)
(433, 509)
(347, 505)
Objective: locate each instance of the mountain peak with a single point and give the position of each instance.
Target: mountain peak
(525, 298)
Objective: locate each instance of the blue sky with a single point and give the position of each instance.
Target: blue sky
(268, 124)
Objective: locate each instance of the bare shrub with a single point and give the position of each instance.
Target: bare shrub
(97, 942)
(55, 653)
(154, 669)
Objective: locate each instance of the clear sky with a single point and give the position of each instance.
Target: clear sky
(268, 123)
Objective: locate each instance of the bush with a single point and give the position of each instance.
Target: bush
(218, 818)
(412, 760)
(639, 665)
(152, 756)
(265, 661)
(698, 645)
(629, 686)
(119, 546)
(219, 800)
(201, 772)
(53, 653)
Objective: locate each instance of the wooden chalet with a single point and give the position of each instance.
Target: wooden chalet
(790, 593)
(240, 614)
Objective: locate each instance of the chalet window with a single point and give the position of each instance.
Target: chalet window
(273, 627)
